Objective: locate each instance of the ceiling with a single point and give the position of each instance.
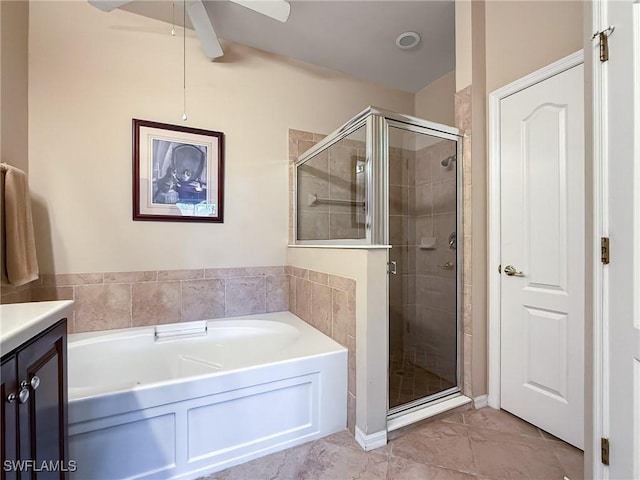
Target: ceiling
(353, 37)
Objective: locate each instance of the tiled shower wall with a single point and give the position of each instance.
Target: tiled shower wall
(325, 180)
(402, 226)
(299, 142)
(433, 321)
(422, 296)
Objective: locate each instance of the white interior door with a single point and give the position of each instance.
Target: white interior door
(542, 243)
(622, 224)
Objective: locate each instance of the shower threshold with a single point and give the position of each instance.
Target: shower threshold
(411, 413)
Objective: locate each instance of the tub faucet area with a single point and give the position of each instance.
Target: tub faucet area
(180, 330)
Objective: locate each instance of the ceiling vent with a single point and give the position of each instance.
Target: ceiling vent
(407, 40)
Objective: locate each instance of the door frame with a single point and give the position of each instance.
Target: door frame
(494, 213)
(599, 332)
(598, 76)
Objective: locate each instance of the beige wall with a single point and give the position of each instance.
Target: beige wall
(435, 102)
(463, 44)
(478, 169)
(498, 42)
(524, 36)
(90, 76)
(521, 37)
(14, 44)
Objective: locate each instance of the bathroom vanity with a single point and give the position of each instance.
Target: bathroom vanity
(33, 387)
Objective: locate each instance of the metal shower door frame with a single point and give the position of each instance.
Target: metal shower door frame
(416, 125)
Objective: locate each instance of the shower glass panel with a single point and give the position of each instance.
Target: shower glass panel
(331, 191)
(392, 180)
(423, 333)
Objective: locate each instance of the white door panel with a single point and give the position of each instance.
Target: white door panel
(544, 158)
(542, 236)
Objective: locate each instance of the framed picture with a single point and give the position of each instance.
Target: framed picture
(178, 173)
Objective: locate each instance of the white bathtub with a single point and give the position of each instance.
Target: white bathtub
(186, 403)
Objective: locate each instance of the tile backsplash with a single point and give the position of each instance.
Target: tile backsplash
(463, 112)
(105, 301)
(110, 300)
(21, 294)
(328, 303)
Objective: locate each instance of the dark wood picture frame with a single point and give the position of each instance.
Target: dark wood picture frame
(178, 173)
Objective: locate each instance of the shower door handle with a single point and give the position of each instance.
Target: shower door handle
(393, 268)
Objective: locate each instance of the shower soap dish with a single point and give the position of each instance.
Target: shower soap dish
(427, 243)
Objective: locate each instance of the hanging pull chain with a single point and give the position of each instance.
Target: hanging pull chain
(184, 60)
(173, 19)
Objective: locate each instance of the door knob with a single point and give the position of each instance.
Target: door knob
(23, 394)
(512, 271)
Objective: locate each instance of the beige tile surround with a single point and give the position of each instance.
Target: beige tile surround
(105, 301)
(21, 294)
(422, 296)
(463, 122)
(331, 174)
(328, 303)
(299, 142)
(309, 291)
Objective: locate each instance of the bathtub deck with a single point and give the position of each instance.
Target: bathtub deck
(209, 423)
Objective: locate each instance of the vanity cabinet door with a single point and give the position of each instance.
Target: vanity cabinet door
(9, 417)
(43, 418)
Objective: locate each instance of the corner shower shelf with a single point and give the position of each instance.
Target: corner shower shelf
(427, 243)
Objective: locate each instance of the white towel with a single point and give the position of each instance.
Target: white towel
(19, 260)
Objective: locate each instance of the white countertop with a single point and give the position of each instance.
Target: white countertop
(21, 321)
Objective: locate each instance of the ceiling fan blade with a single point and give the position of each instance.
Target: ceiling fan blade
(276, 9)
(203, 27)
(108, 5)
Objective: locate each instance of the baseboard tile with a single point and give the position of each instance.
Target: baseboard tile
(481, 401)
(372, 441)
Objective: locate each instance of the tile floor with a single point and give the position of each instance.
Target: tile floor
(474, 444)
(408, 381)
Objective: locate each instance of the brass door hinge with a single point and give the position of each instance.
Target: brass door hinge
(604, 450)
(604, 250)
(603, 37)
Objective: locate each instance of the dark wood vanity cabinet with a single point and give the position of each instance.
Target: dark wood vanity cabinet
(9, 416)
(34, 440)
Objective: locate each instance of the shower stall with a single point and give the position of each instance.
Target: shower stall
(387, 179)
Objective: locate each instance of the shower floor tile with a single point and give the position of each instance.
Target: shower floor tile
(408, 381)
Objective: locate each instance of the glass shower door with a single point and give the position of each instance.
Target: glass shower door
(423, 293)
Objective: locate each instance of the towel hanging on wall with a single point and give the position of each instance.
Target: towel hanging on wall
(18, 247)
